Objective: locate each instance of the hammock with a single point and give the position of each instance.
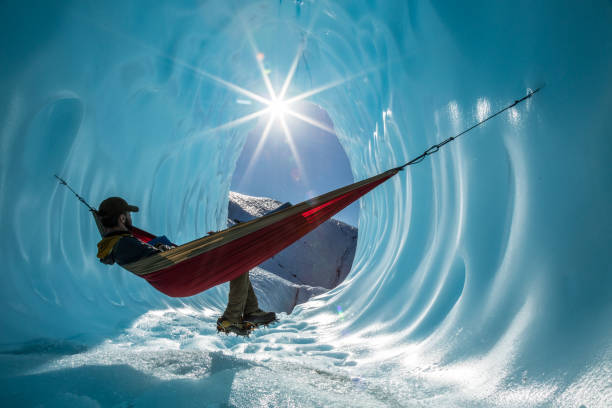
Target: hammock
(209, 261)
(198, 265)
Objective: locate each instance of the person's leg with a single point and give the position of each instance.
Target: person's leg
(251, 305)
(252, 312)
(238, 293)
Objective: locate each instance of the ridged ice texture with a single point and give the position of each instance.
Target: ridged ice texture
(482, 276)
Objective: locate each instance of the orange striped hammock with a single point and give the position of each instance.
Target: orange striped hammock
(198, 265)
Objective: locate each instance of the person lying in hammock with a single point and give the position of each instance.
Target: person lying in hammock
(119, 246)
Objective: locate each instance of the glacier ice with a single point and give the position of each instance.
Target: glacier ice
(482, 276)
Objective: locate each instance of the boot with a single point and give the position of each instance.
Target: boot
(259, 317)
(225, 326)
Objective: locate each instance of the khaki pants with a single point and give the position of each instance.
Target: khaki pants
(242, 299)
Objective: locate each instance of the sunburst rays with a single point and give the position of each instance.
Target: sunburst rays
(276, 104)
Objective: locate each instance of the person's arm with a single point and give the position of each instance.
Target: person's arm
(130, 249)
(164, 247)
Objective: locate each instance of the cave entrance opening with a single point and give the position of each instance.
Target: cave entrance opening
(290, 164)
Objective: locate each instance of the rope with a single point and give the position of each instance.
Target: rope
(81, 199)
(433, 149)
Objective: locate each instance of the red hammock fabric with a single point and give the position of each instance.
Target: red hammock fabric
(142, 235)
(224, 263)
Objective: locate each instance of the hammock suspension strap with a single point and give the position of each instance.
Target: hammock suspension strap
(433, 149)
(81, 199)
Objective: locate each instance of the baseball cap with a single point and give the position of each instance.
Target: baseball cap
(115, 206)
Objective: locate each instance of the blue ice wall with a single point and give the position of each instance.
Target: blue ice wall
(484, 272)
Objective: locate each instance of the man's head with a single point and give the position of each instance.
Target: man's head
(115, 212)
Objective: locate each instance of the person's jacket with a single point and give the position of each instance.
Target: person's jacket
(123, 248)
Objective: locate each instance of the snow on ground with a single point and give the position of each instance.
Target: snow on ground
(279, 295)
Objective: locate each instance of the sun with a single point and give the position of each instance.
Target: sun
(278, 108)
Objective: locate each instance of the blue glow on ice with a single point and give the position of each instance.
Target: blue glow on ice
(482, 275)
